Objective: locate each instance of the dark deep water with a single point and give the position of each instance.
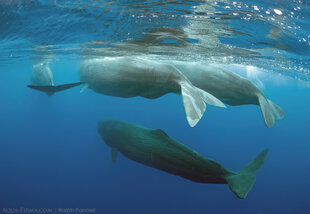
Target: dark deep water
(51, 155)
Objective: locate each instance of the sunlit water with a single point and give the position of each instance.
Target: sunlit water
(51, 154)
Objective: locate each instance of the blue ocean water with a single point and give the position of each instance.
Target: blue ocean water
(51, 155)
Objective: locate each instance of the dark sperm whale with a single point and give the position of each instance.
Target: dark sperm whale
(156, 149)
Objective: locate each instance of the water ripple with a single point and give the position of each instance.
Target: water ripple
(247, 32)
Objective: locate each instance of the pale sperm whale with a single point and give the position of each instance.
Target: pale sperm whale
(230, 88)
(133, 76)
(41, 73)
(156, 149)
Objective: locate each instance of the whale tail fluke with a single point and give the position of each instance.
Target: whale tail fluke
(242, 181)
(277, 110)
(270, 111)
(51, 89)
(194, 102)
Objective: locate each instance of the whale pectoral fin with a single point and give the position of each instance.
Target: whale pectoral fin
(114, 154)
(194, 102)
(84, 88)
(270, 111)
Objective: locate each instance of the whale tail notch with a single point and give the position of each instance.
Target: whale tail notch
(51, 89)
(242, 181)
(270, 111)
(194, 102)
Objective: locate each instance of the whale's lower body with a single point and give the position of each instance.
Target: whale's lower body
(230, 88)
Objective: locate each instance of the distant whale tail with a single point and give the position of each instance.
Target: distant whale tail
(50, 89)
(194, 102)
(270, 111)
(242, 181)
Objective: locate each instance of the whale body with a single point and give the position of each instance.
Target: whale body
(230, 88)
(41, 73)
(133, 76)
(156, 149)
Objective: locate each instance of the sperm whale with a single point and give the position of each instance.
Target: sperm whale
(230, 88)
(156, 149)
(42, 78)
(41, 73)
(134, 76)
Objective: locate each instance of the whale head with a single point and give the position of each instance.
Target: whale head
(106, 129)
(115, 132)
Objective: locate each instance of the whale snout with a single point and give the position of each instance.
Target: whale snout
(104, 127)
(111, 132)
